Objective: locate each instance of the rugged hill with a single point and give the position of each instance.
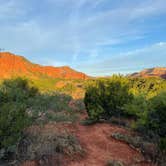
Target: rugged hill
(153, 72)
(13, 65)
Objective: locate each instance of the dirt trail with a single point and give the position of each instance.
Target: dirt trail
(100, 146)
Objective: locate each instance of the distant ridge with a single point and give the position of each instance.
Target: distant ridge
(152, 72)
(13, 65)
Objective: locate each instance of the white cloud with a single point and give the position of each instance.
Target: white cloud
(149, 8)
(132, 61)
(74, 28)
(80, 32)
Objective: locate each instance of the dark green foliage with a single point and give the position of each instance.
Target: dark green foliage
(105, 98)
(137, 107)
(13, 117)
(156, 119)
(162, 144)
(142, 99)
(13, 120)
(16, 90)
(93, 103)
(150, 116)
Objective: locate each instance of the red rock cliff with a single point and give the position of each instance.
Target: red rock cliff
(12, 65)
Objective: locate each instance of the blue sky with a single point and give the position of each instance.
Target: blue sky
(98, 37)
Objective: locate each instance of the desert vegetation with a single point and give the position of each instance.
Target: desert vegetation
(23, 105)
(142, 100)
(44, 125)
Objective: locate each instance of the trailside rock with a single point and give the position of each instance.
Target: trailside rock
(148, 149)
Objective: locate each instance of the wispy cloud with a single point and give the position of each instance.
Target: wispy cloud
(127, 62)
(80, 30)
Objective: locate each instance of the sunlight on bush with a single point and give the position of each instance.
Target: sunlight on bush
(107, 97)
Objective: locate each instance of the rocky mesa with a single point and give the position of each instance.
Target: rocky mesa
(13, 66)
(152, 72)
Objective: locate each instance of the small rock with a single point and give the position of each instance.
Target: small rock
(114, 163)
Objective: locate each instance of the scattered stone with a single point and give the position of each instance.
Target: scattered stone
(115, 163)
(148, 149)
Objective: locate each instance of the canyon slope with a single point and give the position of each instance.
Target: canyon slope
(17, 66)
(152, 72)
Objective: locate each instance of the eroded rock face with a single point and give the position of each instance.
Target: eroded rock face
(12, 65)
(153, 72)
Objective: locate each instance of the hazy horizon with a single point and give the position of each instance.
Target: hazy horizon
(98, 37)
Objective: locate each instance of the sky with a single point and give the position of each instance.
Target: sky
(97, 37)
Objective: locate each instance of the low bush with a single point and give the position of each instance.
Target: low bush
(22, 105)
(137, 107)
(56, 107)
(162, 144)
(105, 98)
(13, 117)
(49, 101)
(148, 149)
(156, 120)
(39, 143)
(16, 90)
(150, 117)
(142, 99)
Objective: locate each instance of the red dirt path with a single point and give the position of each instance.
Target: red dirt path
(100, 147)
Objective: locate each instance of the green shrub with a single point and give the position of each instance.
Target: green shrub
(13, 117)
(16, 90)
(118, 95)
(157, 115)
(106, 97)
(137, 108)
(162, 144)
(150, 116)
(93, 103)
(42, 103)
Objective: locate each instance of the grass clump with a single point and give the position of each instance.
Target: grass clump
(43, 144)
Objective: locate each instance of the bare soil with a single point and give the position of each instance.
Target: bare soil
(99, 146)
